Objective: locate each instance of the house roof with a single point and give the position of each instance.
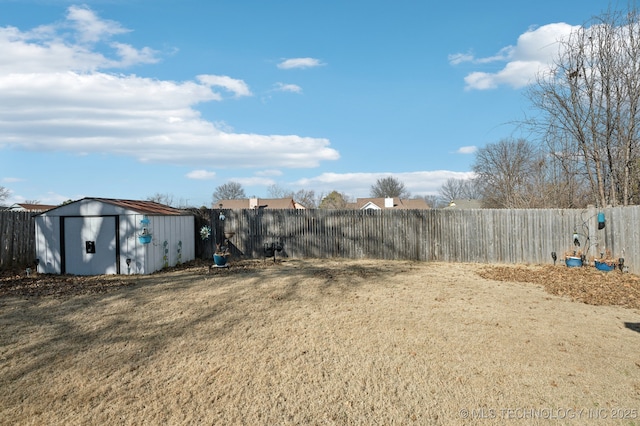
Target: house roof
(258, 203)
(415, 203)
(464, 204)
(398, 203)
(139, 206)
(29, 207)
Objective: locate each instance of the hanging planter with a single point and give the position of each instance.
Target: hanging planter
(145, 233)
(144, 239)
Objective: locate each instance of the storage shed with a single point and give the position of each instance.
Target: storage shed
(95, 236)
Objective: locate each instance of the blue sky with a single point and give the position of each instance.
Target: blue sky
(129, 98)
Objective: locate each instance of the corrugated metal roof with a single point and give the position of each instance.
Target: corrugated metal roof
(145, 207)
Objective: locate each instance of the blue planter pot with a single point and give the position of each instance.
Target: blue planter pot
(144, 239)
(573, 262)
(601, 266)
(219, 260)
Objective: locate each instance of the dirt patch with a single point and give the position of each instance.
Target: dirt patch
(319, 342)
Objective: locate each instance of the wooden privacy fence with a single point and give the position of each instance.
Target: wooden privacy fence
(484, 236)
(17, 239)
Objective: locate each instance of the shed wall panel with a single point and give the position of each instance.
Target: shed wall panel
(48, 244)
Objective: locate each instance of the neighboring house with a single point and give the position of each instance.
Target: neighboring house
(464, 204)
(388, 203)
(25, 207)
(95, 236)
(259, 203)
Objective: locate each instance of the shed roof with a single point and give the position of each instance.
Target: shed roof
(139, 206)
(146, 207)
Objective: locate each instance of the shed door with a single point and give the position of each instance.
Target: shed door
(90, 245)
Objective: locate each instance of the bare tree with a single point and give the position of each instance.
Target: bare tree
(276, 191)
(509, 174)
(565, 185)
(305, 197)
(389, 187)
(166, 199)
(590, 100)
(433, 201)
(454, 189)
(4, 193)
(228, 191)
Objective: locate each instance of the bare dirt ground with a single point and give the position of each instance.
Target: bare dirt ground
(322, 342)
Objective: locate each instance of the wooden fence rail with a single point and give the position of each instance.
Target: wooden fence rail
(484, 236)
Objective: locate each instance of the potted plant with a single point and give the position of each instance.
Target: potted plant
(221, 255)
(606, 262)
(573, 258)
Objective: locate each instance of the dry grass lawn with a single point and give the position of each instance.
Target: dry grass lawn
(318, 342)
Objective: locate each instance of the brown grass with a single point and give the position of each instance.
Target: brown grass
(316, 342)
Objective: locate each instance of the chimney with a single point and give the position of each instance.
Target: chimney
(253, 203)
(388, 203)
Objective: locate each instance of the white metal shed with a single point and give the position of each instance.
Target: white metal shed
(95, 236)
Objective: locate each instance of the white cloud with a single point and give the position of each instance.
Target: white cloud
(68, 46)
(282, 87)
(459, 58)
(12, 180)
(359, 184)
(271, 172)
(201, 175)
(55, 97)
(253, 181)
(238, 87)
(467, 149)
(49, 198)
(534, 52)
(299, 63)
(131, 56)
(89, 27)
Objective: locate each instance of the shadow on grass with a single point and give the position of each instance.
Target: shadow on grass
(634, 326)
(136, 323)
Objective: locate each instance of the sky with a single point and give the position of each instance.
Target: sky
(133, 98)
